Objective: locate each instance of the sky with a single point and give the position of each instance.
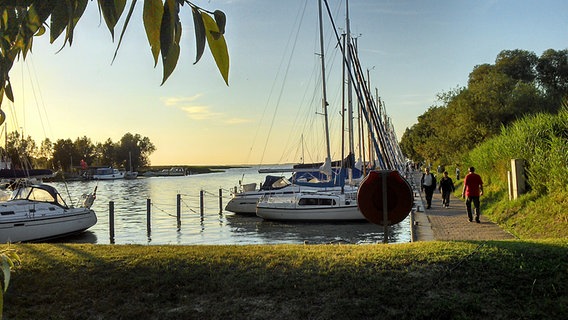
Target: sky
(271, 111)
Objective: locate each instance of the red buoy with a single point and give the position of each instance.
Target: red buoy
(389, 184)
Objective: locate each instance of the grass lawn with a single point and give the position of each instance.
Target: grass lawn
(424, 280)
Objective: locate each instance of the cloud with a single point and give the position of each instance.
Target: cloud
(237, 121)
(177, 101)
(198, 112)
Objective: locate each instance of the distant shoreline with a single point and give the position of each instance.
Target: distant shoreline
(192, 169)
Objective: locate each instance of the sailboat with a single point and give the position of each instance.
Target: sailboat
(314, 205)
(36, 211)
(130, 174)
(303, 177)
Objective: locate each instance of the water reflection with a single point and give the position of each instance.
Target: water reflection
(212, 227)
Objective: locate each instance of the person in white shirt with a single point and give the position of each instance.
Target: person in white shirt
(428, 185)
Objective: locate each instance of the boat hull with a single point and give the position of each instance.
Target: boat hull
(47, 221)
(310, 206)
(246, 202)
(324, 213)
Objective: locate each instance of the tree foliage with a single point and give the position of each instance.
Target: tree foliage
(518, 84)
(21, 21)
(66, 154)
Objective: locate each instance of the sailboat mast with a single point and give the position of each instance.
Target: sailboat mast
(324, 94)
(349, 92)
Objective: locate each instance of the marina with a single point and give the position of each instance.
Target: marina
(214, 226)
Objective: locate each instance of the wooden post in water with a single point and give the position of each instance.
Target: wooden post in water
(220, 200)
(178, 205)
(148, 216)
(201, 202)
(111, 221)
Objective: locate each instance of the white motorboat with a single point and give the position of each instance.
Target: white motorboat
(38, 212)
(171, 172)
(108, 174)
(310, 206)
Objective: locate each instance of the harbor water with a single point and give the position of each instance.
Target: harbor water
(214, 226)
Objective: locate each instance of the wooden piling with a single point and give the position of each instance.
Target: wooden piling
(148, 216)
(111, 221)
(201, 206)
(178, 206)
(220, 200)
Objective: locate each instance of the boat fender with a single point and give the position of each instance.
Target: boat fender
(399, 197)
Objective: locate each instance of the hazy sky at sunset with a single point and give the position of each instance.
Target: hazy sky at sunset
(412, 49)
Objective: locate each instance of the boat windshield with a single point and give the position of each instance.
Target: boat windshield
(280, 183)
(34, 193)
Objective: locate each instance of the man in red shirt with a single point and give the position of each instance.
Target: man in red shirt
(472, 190)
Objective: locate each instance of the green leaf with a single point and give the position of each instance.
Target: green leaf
(33, 22)
(8, 91)
(44, 9)
(76, 12)
(221, 20)
(217, 45)
(169, 40)
(59, 18)
(199, 34)
(6, 272)
(153, 12)
(111, 11)
(128, 16)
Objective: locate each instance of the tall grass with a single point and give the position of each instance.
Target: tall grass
(542, 141)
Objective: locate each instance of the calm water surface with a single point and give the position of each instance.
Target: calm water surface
(215, 226)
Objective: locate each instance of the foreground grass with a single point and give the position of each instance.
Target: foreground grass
(433, 280)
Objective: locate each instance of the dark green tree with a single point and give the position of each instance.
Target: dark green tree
(552, 68)
(106, 153)
(517, 64)
(20, 151)
(134, 147)
(43, 159)
(496, 95)
(64, 155)
(85, 150)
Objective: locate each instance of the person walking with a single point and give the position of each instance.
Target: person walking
(472, 190)
(446, 187)
(428, 184)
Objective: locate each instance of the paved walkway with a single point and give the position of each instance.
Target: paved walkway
(439, 223)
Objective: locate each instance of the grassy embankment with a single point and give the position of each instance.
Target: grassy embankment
(525, 279)
(542, 141)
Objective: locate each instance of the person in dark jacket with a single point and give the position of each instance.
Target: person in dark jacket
(428, 184)
(446, 187)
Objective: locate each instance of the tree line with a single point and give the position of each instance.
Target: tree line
(66, 154)
(519, 83)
